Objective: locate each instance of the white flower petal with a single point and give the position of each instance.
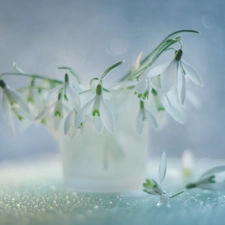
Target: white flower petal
(107, 116)
(98, 124)
(6, 109)
(72, 95)
(192, 74)
(72, 132)
(125, 84)
(155, 71)
(69, 122)
(168, 76)
(57, 123)
(142, 86)
(212, 186)
(177, 115)
(81, 114)
(217, 169)
(53, 96)
(162, 168)
(139, 122)
(181, 87)
(152, 119)
(13, 95)
(45, 112)
(8, 115)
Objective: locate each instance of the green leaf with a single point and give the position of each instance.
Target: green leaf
(110, 68)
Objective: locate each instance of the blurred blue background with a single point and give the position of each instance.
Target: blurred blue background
(91, 35)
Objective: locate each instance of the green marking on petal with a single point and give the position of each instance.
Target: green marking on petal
(58, 114)
(96, 111)
(20, 117)
(160, 109)
(211, 179)
(43, 121)
(12, 102)
(30, 99)
(154, 92)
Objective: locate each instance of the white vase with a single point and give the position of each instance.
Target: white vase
(107, 162)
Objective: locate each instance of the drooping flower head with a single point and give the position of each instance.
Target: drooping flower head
(175, 74)
(101, 113)
(13, 103)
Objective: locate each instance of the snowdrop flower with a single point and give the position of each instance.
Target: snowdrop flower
(154, 188)
(173, 74)
(70, 94)
(210, 180)
(142, 116)
(161, 102)
(101, 112)
(13, 102)
(55, 110)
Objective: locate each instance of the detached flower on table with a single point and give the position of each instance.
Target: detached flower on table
(210, 180)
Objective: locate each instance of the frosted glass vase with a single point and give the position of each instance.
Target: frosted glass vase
(107, 162)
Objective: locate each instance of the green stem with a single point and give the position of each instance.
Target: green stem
(72, 71)
(163, 46)
(32, 76)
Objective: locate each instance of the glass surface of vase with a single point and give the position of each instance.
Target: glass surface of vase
(107, 162)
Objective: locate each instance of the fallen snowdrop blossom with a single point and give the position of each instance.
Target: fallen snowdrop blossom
(210, 180)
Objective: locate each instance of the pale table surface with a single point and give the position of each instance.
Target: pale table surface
(32, 192)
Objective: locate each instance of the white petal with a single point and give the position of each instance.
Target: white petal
(16, 96)
(107, 116)
(72, 95)
(169, 76)
(72, 132)
(181, 87)
(45, 112)
(217, 169)
(142, 86)
(212, 186)
(177, 115)
(155, 71)
(81, 114)
(98, 124)
(6, 109)
(192, 74)
(57, 123)
(53, 96)
(139, 122)
(125, 84)
(162, 168)
(8, 115)
(152, 119)
(69, 121)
